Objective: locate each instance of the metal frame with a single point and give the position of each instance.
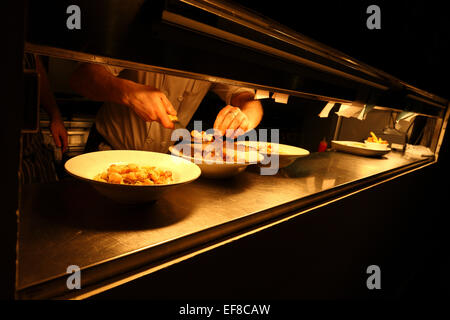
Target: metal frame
(90, 58)
(272, 28)
(253, 21)
(86, 57)
(203, 28)
(442, 132)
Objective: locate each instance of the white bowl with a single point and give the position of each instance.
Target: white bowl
(217, 169)
(286, 154)
(87, 166)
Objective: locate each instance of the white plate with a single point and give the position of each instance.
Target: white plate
(358, 148)
(87, 166)
(216, 169)
(286, 154)
(376, 145)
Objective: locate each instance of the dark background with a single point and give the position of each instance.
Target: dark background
(412, 44)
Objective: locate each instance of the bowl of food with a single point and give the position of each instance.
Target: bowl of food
(376, 143)
(131, 176)
(217, 159)
(286, 154)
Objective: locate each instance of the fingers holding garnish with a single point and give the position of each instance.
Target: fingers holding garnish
(201, 136)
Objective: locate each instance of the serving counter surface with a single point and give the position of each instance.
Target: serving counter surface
(68, 223)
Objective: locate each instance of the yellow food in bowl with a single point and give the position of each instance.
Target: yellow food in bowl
(132, 174)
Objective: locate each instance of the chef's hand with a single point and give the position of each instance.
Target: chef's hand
(59, 133)
(149, 103)
(231, 121)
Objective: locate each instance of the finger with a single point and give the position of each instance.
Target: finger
(238, 132)
(233, 132)
(56, 138)
(65, 140)
(245, 125)
(149, 110)
(168, 105)
(163, 117)
(221, 115)
(236, 123)
(226, 120)
(229, 118)
(242, 128)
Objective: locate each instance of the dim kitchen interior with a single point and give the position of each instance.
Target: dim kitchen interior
(355, 151)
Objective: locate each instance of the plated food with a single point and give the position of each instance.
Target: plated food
(134, 169)
(286, 154)
(359, 148)
(132, 174)
(375, 142)
(202, 136)
(173, 118)
(220, 152)
(374, 139)
(219, 162)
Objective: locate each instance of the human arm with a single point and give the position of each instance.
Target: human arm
(48, 102)
(97, 83)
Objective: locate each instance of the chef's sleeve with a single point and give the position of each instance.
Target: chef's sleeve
(226, 92)
(113, 69)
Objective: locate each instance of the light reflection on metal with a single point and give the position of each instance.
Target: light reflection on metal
(272, 28)
(311, 184)
(149, 270)
(282, 33)
(90, 58)
(328, 183)
(206, 29)
(442, 132)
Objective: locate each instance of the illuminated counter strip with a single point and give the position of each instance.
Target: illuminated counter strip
(68, 223)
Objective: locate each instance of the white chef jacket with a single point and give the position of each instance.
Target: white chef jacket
(124, 129)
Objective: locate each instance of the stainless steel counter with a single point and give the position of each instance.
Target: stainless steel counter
(68, 223)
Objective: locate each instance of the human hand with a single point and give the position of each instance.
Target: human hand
(59, 133)
(231, 121)
(150, 104)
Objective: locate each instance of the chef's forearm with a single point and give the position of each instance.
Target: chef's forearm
(96, 83)
(47, 99)
(251, 107)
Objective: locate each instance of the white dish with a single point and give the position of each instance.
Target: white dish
(286, 154)
(87, 166)
(217, 169)
(358, 148)
(376, 145)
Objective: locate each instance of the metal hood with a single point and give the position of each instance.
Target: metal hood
(216, 41)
